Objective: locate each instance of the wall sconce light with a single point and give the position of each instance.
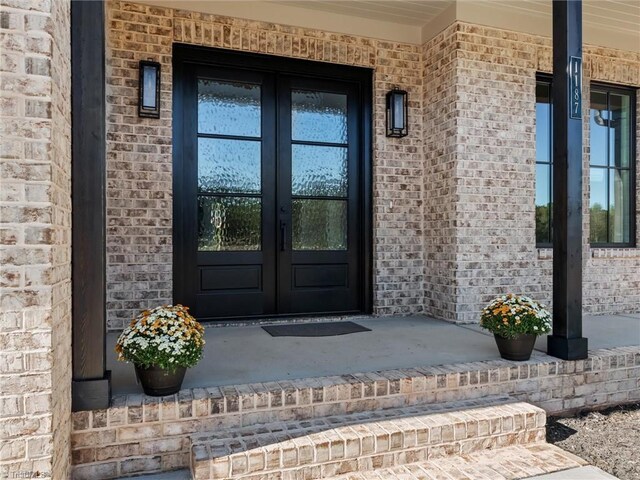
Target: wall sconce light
(397, 113)
(149, 89)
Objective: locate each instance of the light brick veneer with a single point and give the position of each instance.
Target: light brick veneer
(440, 163)
(139, 161)
(454, 220)
(509, 463)
(35, 239)
(143, 434)
(480, 174)
(366, 441)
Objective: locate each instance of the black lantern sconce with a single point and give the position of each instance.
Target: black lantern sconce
(149, 89)
(397, 113)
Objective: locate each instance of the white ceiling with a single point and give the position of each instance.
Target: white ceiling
(407, 12)
(615, 14)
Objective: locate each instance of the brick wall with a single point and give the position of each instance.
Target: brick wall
(139, 161)
(145, 434)
(35, 240)
(440, 163)
(494, 176)
(454, 216)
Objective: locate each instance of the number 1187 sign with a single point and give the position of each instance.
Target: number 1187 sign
(575, 75)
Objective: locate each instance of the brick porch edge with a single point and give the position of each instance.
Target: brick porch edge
(145, 434)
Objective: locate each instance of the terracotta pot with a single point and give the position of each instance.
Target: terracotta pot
(158, 382)
(518, 348)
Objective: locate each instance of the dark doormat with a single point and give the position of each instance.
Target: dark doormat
(328, 329)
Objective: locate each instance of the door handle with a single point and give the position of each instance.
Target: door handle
(283, 236)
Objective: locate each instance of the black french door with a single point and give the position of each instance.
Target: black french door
(269, 192)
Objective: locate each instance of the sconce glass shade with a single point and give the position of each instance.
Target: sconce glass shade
(397, 113)
(149, 86)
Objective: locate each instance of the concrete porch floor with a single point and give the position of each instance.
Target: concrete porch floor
(248, 354)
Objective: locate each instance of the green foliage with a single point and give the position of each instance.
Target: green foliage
(543, 223)
(598, 223)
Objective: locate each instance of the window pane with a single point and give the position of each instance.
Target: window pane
(599, 121)
(543, 123)
(226, 166)
(318, 116)
(319, 171)
(620, 130)
(598, 205)
(619, 206)
(228, 108)
(229, 223)
(543, 203)
(319, 224)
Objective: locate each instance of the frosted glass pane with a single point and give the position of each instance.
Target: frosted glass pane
(229, 223)
(319, 171)
(228, 166)
(319, 224)
(149, 79)
(228, 108)
(318, 116)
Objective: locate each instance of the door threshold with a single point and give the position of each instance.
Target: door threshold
(287, 320)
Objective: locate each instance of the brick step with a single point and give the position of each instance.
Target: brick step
(507, 463)
(324, 447)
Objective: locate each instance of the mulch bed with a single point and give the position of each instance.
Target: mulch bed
(608, 439)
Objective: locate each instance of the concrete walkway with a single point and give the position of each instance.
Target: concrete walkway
(580, 473)
(239, 355)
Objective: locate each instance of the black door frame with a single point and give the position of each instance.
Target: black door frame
(185, 55)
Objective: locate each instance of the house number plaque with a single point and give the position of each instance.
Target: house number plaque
(575, 75)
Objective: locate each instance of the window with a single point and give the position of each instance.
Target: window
(544, 158)
(612, 189)
(611, 170)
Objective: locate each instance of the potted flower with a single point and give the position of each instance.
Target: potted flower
(515, 321)
(162, 343)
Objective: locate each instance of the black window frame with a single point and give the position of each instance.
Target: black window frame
(548, 79)
(611, 88)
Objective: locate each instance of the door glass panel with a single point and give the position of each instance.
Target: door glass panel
(228, 108)
(599, 121)
(226, 166)
(319, 170)
(318, 116)
(319, 224)
(229, 223)
(598, 205)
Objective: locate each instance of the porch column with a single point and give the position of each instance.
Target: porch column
(91, 380)
(567, 341)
